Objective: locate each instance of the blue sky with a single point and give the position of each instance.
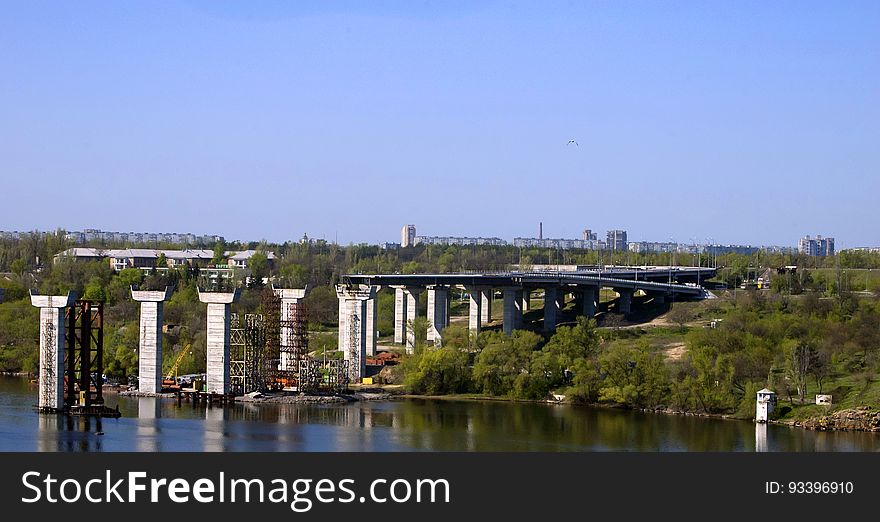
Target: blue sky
(747, 122)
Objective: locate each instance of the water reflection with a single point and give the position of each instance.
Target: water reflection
(148, 432)
(760, 437)
(68, 433)
(150, 424)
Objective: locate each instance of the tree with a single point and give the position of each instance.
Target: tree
(259, 265)
(18, 267)
(634, 376)
(713, 383)
(417, 329)
(95, 290)
(798, 356)
(219, 253)
(502, 360)
(161, 261)
(439, 371)
(680, 315)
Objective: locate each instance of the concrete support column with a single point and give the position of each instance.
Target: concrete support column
(399, 315)
(412, 311)
(356, 301)
(150, 342)
(373, 334)
(526, 300)
(438, 306)
(551, 308)
(590, 300)
(512, 310)
(624, 302)
(219, 304)
(486, 296)
(52, 334)
(290, 299)
(474, 310)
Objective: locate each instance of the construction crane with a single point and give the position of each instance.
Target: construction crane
(170, 380)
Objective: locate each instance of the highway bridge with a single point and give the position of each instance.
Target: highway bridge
(357, 297)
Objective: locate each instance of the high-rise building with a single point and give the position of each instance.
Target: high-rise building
(589, 235)
(408, 236)
(818, 247)
(616, 240)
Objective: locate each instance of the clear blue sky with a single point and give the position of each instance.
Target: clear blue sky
(747, 122)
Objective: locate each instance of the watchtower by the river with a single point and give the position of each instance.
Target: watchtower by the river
(765, 406)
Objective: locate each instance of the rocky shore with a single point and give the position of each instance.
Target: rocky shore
(859, 419)
(302, 398)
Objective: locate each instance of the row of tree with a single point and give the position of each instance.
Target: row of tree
(792, 347)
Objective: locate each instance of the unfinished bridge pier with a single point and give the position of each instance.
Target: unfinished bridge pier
(219, 309)
(356, 326)
(150, 342)
(52, 341)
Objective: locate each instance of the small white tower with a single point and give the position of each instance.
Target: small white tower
(766, 405)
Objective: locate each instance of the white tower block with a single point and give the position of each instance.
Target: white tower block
(218, 338)
(150, 344)
(290, 297)
(52, 348)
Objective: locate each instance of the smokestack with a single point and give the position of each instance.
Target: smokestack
(540, 230)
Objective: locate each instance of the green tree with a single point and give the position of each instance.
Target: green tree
(502, 360)
(439, 371)
(259, 265)
(18, 267)
(634, 376)
(418, 329)
(219, 253)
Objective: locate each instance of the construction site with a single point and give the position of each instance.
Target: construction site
(262, 353)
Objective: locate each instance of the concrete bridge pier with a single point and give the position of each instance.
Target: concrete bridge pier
(526, 300)
(290, 299)
(513, 317)
(624, 302)
(52, 336)
(590, 301)
(219, 304)
(412, 311)
(486, 295)
(438, 312)
(355, 327)
(399, 314)
(551, 308)
(475, 314)
(150, 342)
(406, 306)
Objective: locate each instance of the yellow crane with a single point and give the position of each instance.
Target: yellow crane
(171, 376)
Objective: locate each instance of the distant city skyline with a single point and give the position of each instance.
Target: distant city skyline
(411, 230)
(749, 122)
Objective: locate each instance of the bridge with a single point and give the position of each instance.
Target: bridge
(357, 297)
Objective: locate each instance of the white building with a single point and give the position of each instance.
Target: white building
(408, 236)
(765, 405)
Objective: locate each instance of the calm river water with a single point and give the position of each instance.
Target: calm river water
(406, 425)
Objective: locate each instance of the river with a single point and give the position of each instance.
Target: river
(150, 424)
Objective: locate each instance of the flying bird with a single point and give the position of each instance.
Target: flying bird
(572, 141)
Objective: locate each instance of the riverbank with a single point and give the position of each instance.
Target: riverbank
(864, 418)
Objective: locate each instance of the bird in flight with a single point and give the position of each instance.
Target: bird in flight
(572, 141)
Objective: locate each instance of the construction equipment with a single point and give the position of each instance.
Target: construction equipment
(170, 380)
